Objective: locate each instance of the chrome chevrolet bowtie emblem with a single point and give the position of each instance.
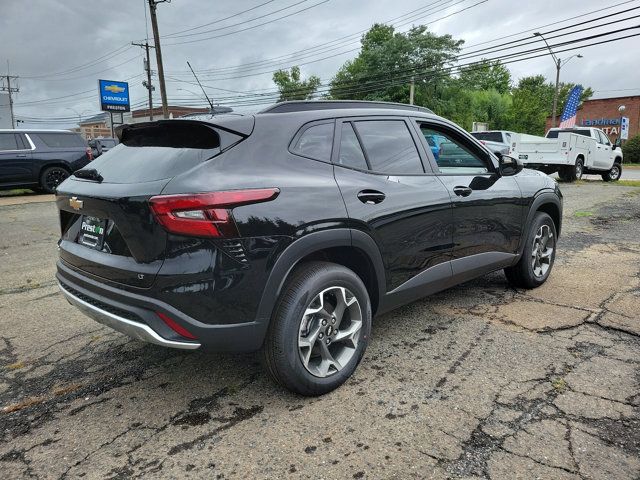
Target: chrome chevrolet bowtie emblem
(75, 203)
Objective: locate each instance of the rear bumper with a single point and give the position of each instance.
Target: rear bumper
(135, 315)
(131, 328)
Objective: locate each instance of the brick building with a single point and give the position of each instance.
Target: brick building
(603, 113)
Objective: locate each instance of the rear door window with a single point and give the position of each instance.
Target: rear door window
(351, 154)
(488, 136)
(62, 140)
(8, 142)
(389, 147)
(315, 142)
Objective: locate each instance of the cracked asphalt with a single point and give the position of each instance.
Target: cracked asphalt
(479, 381)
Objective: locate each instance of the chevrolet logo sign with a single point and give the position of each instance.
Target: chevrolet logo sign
(114, 88)
(75, 203)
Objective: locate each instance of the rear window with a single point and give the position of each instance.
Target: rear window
(149, 152)
(108, 142)
(488, 136)
(554, 133)
(61, 140)
(316, 142)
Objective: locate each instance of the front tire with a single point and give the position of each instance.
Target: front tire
(539, 254)
(320, 329)
(614, 174)
(51, 177)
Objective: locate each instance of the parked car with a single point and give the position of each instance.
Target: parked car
(571, 152)
(288, 230)
(40, 159)
(498, 141)
(102, 145)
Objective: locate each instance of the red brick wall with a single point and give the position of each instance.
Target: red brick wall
(607, 108)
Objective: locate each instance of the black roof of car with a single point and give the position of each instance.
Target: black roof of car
(309, 105)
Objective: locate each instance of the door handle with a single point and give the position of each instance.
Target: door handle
(371, 197)
(462, 191)
(22, 156)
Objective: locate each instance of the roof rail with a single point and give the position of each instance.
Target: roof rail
(307, 105)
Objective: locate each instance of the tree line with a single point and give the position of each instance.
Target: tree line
(389, 61)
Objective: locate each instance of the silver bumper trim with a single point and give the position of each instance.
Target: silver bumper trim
(133, 329)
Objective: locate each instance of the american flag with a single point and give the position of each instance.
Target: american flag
(568, 119)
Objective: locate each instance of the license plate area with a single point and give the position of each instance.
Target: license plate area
(92, 231)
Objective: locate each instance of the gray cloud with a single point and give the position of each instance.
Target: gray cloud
(42, 38)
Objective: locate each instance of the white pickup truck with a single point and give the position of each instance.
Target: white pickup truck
(571, 152)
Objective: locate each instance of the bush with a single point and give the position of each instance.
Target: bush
(631, 150)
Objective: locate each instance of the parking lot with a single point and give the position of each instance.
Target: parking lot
(477, 381)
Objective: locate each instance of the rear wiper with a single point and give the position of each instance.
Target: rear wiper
(88, 174)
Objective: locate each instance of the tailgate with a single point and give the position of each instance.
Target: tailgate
(108, 229)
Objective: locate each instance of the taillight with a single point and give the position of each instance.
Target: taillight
(205, 214)
(89, 153)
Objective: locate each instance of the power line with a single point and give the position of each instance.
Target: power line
(292, 57)
(219, 20)
(252, 27)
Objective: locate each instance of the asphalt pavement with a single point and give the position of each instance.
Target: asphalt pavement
(479, 381)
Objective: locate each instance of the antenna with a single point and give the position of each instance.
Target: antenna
(200, 85)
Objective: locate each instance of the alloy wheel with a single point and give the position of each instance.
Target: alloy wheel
(614, 173)
(542, 251)
(330, 331)
(55, 177)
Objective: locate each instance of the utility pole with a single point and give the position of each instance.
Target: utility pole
(147, 84)
(412, 88)
(156, 37)
(9, 89)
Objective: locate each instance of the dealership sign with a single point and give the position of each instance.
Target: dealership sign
(624, 128)
(114, 96)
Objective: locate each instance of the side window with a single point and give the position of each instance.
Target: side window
(61, 140)
(8, 142)
(451, 154)
(508, 137)
(389, 146)
(350, 150)
(316, 142)
(605, 139)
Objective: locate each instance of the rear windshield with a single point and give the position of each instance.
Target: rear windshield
(161, 150)
(488, 136)
(107, 142)
(62, 140)
(554, 133)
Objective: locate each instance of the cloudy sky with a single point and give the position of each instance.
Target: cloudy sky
(60, 48)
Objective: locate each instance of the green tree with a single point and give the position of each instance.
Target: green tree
(631, 150)
(387, 61)
(486, 75)
(533, 103)
(291, 87)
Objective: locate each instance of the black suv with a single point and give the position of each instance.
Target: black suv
(288, 230)
(40, 159)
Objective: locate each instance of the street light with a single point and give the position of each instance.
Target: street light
(559, 64)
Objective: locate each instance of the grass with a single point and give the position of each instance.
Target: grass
(627, 183)
(559, 384)
(630, 165)
(17, 191)
(580, 214)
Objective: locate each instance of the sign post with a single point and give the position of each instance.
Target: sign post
(114, 97)
(624, 128)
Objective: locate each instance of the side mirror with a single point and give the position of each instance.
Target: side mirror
(509, 166)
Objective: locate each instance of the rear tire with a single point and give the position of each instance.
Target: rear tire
(320, 329)
(539, 254)
(571, 173)
(51, 177)
(614, 174)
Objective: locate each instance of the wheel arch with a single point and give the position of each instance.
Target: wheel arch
(352, 248)
(549, 203)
